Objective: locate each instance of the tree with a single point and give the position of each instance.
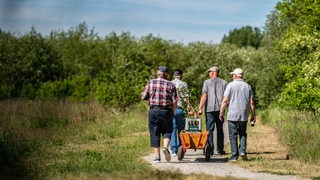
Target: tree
(28, 61)
(299, 49)
(243, 37)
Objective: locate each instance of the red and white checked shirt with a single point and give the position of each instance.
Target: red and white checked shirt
(160, 92)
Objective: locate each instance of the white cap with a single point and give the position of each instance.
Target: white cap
(237, 72)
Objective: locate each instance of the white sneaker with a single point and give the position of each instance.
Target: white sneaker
(166, 154)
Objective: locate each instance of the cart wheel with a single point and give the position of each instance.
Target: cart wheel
(208, 153)
(180, 153)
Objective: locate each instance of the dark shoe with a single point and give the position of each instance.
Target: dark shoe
(244, 156)
(156, 160)
(222, 153)
(166, 154)
(233, 158)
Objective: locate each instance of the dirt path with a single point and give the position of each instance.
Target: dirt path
(194, 161)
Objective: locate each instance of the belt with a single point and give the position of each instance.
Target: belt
(161, 107)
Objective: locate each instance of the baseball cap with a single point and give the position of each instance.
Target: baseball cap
(213, 69)
(177, 72)
(237, 72)
(163, 69)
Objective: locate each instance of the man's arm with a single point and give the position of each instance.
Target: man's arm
(174, 106)
(202, 101)
(253, 110)
(223, 106)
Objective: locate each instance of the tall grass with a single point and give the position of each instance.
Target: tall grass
(59, 138)
(300, 131)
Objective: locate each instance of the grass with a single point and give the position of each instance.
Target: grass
(64, 140)
(299, 131)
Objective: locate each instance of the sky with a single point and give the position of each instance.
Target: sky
(181, 21)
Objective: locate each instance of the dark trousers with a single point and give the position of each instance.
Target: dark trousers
(212, 118)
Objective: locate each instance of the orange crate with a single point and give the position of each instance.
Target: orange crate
(193, 140)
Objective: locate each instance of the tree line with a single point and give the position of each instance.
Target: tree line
(81, 66)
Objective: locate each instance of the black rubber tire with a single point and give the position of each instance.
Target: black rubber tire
(208, 153)
(180, 153)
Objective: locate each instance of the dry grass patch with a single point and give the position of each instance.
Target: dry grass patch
(267, 154)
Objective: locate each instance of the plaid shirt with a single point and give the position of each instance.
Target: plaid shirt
(160, 92)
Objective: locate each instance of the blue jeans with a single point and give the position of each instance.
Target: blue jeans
(237, 128)
(211, 119)
(178, 125)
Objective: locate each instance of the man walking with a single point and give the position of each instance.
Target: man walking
(212, 95)
(162, 97)
(238, 96)
(179, 115)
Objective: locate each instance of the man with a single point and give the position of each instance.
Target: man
(239, 98)
(162, 97)
(179, 116)
(212, 95)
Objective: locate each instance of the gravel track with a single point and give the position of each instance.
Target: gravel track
(194, 162)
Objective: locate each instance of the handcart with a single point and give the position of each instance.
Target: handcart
(193, 138)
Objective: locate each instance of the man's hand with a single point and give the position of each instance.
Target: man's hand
(200, 112)
(221, 117)
(253, 118)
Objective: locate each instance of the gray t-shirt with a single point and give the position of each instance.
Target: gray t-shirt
(239, 94)
(182, 89)
(214, 88)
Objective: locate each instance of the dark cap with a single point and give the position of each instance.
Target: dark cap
(163, 69)
(177, 72)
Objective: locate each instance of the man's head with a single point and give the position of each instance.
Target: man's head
(177, 73)
(237, 72)
(162, 71)
(213, 72)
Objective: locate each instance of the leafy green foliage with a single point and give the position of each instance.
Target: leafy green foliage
(26, 63)
(299, 52)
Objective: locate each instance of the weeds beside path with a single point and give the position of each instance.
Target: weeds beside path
(268, 159)
(267, 154)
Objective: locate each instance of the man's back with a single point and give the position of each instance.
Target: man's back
(182, 89)
(215, 88)
(239, 93)
(160, 92)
